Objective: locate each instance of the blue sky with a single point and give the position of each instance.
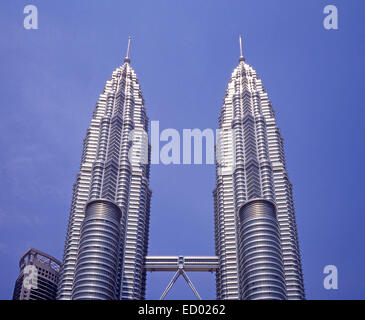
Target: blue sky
(183, 53)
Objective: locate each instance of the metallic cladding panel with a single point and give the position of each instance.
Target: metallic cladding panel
(261, 272)
(99, 259)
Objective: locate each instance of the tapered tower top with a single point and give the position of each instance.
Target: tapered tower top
(127, 59)
(242, 58)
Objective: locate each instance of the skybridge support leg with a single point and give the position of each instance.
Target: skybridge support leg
(190, 284)
(173, 280)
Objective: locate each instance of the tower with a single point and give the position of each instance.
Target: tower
(115, 167)
(251, 165)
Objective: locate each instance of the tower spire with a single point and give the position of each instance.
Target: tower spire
(242, 58)
(127, 59)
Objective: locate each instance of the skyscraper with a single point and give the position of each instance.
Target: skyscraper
(38, 277)
(115, 167)
(251, 166)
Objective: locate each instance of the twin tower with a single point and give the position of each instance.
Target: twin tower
(257, 252)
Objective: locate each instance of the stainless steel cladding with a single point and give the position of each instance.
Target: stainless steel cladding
(251, 164)
(261, 273)
(115, 165)
(100, 255)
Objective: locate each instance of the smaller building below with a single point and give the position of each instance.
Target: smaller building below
(38, 277)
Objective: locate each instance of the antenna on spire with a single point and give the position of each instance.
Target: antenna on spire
(128, 50)
(242, 58)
